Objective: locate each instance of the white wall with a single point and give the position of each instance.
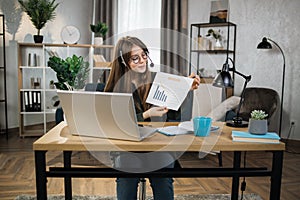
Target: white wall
(278, 20)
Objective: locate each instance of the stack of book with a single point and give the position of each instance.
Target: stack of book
(241, 136)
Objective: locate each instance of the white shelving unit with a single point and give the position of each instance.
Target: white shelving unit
(32, 63)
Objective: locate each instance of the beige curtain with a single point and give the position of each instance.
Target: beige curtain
(174, 36)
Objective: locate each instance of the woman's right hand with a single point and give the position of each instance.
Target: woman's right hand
(155, 112)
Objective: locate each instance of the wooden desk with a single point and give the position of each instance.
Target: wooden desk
(59, 139)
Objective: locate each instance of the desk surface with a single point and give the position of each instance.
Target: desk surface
(59, 138)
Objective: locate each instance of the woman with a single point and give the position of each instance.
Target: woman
(130, 74)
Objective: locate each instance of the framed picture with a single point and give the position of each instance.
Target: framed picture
(219, 11)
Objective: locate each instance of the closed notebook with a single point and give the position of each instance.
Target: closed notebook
(241, 136)
(173, 130)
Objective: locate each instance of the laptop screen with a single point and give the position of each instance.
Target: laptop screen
(100, 114)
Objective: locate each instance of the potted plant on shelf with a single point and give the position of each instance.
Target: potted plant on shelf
(258, 124)
(71, 73)
(100, 31)
(40, 12)
(218, 37)
(51, 84)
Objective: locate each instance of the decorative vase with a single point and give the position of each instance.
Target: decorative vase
(218, 45)
(55, 101)
(258, 127)
(98, 41)
(38, 38)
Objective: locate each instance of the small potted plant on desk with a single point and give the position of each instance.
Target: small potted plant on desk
(100, 31)
(258, 124)
(40, 12)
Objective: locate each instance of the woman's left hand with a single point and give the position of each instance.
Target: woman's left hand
(196, 81)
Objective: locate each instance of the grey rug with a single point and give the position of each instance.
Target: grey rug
(179, 197)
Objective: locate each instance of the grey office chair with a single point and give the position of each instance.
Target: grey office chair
(258, 98)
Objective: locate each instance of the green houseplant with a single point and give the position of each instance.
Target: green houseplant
(258, 123)
(258, 115)
(100, 29)
(51, 84)
(40, 12)
(217, 35)
(71, 73)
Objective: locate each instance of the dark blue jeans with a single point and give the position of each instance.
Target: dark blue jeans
(162, 188)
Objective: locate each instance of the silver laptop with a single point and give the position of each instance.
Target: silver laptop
(102, 115)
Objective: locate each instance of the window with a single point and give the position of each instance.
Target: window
(142, 19)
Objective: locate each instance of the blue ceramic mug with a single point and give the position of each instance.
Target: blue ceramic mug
(202, 126)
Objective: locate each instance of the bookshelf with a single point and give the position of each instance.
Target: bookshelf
(37, 97)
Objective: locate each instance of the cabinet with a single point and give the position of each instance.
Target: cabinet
(37, 97)
(205, 58)
(3, 93)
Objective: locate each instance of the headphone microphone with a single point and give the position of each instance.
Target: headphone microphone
(151, 64)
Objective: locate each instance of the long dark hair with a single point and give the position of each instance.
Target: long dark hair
(122, 78)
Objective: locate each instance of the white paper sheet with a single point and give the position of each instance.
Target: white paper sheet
(182, 128)
(169, 90)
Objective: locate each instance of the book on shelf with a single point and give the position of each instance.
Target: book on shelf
(99, 58)
(241, 136)
(100, 61)
(32, 101)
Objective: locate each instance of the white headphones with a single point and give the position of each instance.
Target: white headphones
(123, 61)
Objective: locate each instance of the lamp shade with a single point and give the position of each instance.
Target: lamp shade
(264, 44)
(223, 79)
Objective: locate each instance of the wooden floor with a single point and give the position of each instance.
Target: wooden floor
(17, 174)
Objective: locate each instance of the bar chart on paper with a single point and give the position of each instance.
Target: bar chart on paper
(160, 95)
(169, 90)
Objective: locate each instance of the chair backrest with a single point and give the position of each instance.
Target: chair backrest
(206, 98)
(94, 87)
(256, 98)
(201, 102)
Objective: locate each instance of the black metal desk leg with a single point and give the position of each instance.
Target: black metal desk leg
(68, 180)
(276, 175)
(236, 178)
(40, 175)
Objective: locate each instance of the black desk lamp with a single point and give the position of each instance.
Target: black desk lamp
(266, 45)
(224, 80)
